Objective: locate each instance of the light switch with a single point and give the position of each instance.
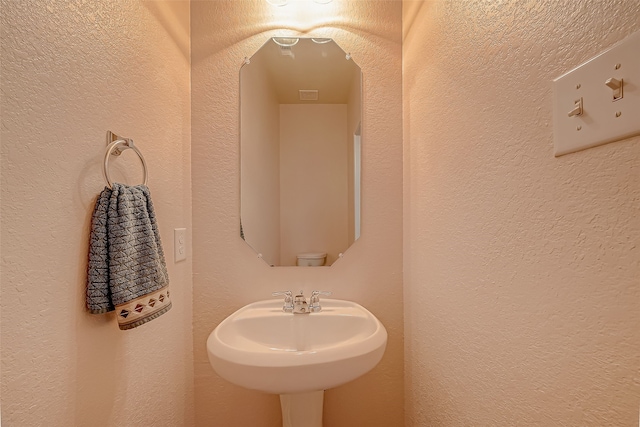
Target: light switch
(599, 101)
(179, 244)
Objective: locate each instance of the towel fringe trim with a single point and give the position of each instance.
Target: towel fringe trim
(144, 320)
(143, 309)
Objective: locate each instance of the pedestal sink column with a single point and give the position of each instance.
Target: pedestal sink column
(302, 409)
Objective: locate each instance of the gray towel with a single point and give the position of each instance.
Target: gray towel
(127, 269)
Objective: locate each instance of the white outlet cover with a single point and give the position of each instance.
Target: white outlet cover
(603, 120)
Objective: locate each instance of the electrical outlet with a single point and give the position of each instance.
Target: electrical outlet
(179, 244)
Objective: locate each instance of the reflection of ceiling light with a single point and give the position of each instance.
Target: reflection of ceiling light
(286, 41)
(320, 41)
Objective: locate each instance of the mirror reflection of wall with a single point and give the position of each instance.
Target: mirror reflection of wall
(300, 115)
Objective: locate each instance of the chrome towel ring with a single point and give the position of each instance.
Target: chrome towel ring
(115, 149)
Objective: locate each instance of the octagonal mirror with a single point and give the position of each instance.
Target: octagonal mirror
(300, 151)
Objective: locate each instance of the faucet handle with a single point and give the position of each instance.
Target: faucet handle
(279, 293)
(314, 301)
(288, 300)
(316, 293)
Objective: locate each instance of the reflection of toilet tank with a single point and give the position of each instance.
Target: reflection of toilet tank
(311, 259)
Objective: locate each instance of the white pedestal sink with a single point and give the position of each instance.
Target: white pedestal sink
(297, 356)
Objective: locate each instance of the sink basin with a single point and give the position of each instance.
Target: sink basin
(260, 347)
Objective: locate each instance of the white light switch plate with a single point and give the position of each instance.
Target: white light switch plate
(603, 120)
(179, 244)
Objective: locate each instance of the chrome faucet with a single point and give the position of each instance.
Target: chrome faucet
(288, 300)
(314, 301)
(298, 304)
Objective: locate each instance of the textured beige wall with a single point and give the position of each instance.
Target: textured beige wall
(72, 70)
(313, 180)
(227, 273)
(522, 270)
